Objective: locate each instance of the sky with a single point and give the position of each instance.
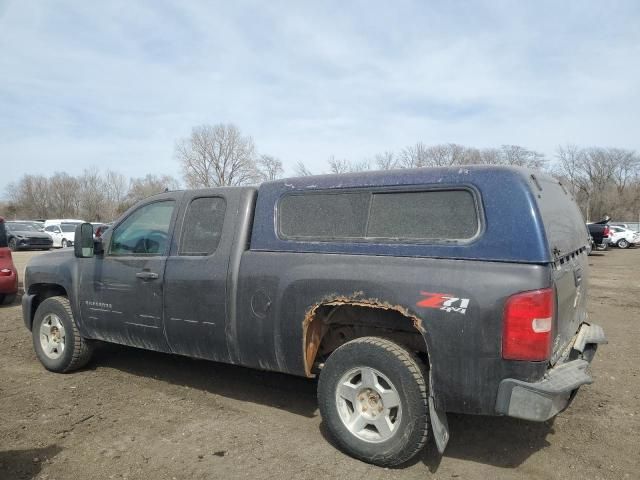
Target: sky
(115, 84)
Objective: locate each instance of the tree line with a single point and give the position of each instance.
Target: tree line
(603, 180)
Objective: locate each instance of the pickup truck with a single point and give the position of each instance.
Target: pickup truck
(399, 290)
(600, 233)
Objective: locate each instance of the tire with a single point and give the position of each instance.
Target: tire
(622, 243)
(71, 350)
(63, 244)
(394, 370)
(7, 299)
(13, 245)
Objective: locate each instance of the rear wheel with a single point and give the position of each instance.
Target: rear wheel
(622, 243)
(64, 243)
(56, 339)
(13, 244)
(372, 396)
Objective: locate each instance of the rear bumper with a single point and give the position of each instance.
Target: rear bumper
(542, 400)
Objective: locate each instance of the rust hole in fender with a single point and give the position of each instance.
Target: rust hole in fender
(314, 327)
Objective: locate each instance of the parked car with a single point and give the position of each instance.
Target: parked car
(62, 231)
(25, 236)
(337, 276)
(38, 225)
(600, 235)
(623, 237)
(8, 272)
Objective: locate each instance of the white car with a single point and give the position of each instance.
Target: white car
(623, 237)
(62, 231)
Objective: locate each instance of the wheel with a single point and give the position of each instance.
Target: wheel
(622, 243)
(7, 299)
(13, 244)
(373, 397)
(64, 243)
(56, 339)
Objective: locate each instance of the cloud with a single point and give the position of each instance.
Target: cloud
(115, 84)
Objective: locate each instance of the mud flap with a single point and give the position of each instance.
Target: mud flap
(439, 426)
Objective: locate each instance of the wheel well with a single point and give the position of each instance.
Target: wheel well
(327, 326)
(42, 291)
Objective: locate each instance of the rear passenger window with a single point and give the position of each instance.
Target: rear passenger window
(324, 216)
(203, 224)
(379, 216)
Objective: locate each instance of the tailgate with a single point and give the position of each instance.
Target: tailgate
(570, 281)
(567, 241)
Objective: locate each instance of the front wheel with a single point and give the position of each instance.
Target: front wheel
(64, 243)
(622, 243)
(373, 397)
(13, 244)
(56, 339)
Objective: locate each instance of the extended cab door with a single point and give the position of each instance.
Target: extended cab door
(195, 298)
(121, 290)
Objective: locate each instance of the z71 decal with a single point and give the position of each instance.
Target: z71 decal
(443, 301)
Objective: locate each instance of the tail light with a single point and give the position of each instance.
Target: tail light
(606, 231)
(528, 322)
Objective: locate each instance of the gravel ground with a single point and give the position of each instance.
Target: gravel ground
(142, 415)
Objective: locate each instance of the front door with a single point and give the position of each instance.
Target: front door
(121, 291)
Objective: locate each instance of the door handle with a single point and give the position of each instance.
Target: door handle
(146, 275)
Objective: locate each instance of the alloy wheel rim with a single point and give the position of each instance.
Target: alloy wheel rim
(368, 404)
(52, 336)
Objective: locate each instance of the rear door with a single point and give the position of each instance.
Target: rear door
(567, 239)
(195, 296)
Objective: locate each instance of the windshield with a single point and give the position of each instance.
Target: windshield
(21, 227)
(69, 227)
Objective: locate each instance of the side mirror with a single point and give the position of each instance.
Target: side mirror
(83, 241)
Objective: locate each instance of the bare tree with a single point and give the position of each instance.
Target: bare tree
(626, 164)
(31, 196)
(302, 170)
(338, 165)
(115, 191)
(386, 161)
(140, 188)
(519, 156)
(414, 156)
(63, 195)
(92, 195)
(217, 155)
(269, 168)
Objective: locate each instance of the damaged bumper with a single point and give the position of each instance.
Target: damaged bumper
(542, 400)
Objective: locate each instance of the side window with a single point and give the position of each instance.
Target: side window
(438, 214)
(202, 226)
(48, 229)
(145, 231)
(397, 216)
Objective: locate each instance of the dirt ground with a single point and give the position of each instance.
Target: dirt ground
(141, 415)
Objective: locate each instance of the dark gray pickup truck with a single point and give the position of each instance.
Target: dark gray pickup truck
(409, 294)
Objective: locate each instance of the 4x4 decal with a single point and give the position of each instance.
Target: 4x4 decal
(443, 301)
